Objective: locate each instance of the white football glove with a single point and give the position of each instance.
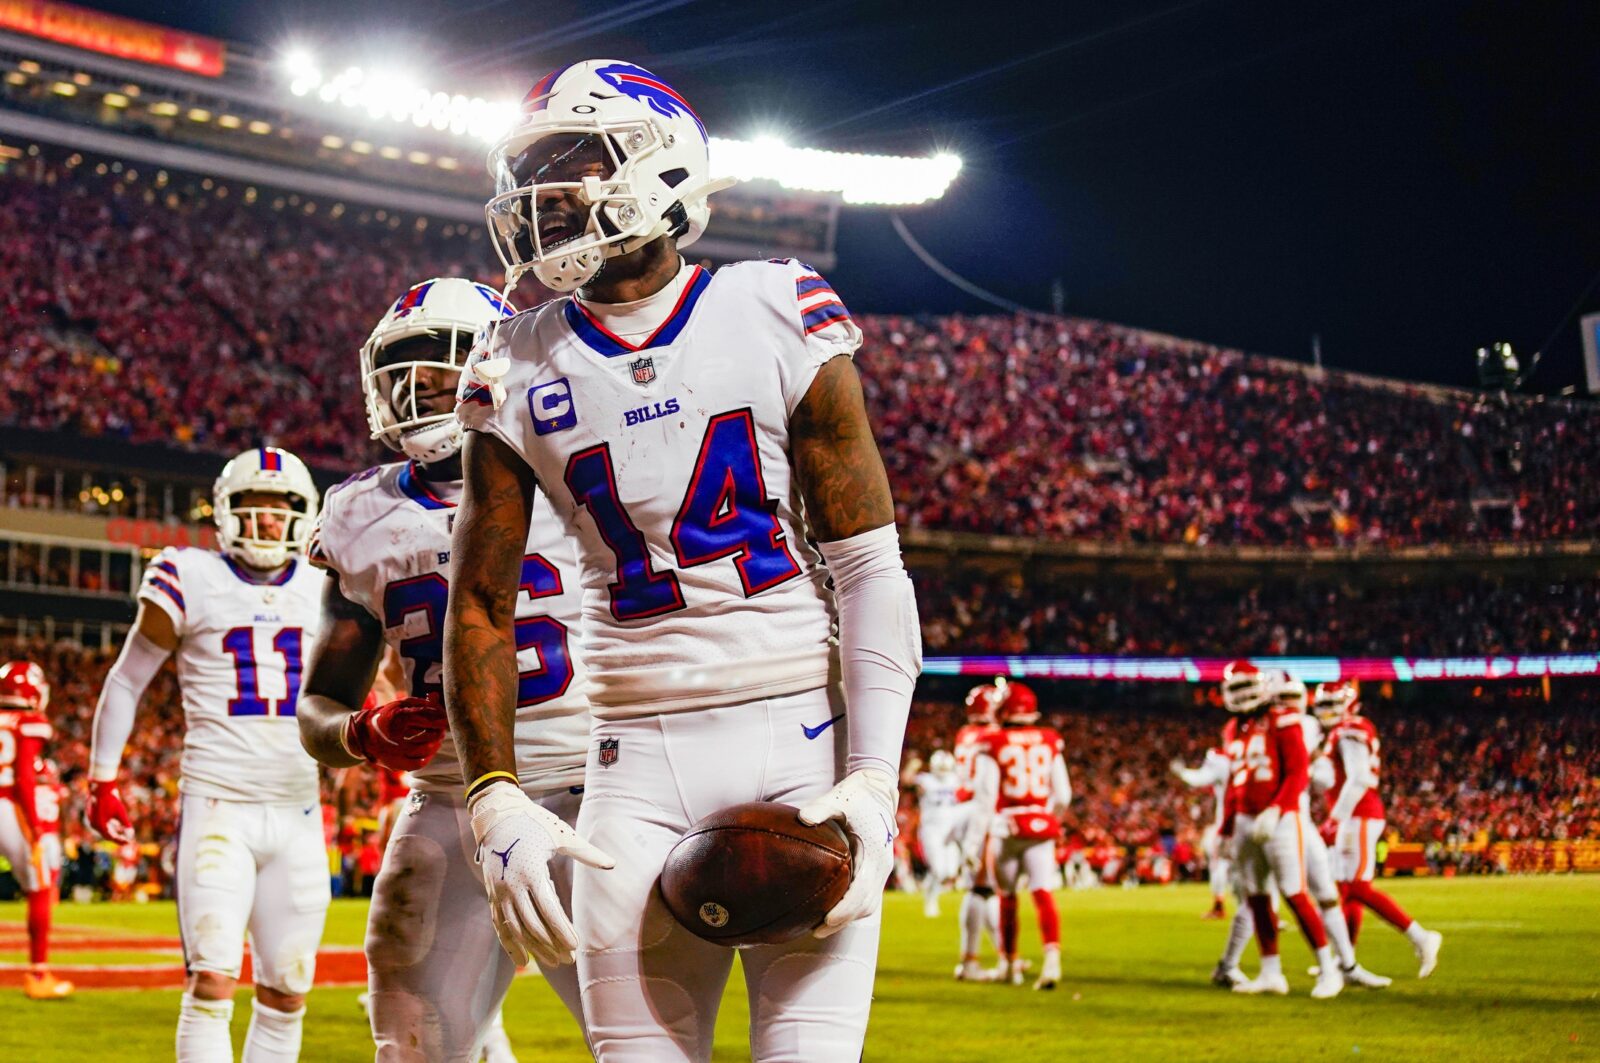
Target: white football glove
(864, 803)
(516, 841)
(1266, 825)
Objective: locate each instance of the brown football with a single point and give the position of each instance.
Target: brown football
(753, 874)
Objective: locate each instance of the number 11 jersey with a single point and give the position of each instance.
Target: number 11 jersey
(668, 462)
(241, 654)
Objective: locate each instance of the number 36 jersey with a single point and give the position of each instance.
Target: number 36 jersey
(385, 534)
(241, 652)
(668, 460)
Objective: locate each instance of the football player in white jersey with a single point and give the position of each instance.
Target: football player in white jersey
(436, 972)
(705, 442)
(940, 825)
(1212, 774)
(250, 849)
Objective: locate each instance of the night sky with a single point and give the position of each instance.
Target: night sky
(1411, 180)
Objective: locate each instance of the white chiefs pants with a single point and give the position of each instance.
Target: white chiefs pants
(256, 868)
(1356, 848)
(1035, 856)
(1294, 858)
(435, 968)
(650, 988)
(25, 853)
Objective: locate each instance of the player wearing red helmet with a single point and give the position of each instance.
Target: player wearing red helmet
(1023, 769)
(1356, 819)
(980, 906)
(24, 696)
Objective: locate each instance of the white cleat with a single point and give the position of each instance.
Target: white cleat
(1227, 977)
(1358, 975)
(1428, 953)
(1328, 985)
(1050, 971)
(1313, 970)
(1276, 984)
(930, 906)
(972, 971)
(1016, 972)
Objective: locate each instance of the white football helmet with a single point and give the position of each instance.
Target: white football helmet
(1245, 688)
(444, 307)
(239, 528)
(660, 171)
(942, 763)
(1290, 692)
(1334, 701)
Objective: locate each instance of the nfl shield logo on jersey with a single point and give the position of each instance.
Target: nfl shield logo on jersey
(644, 370)
(609, 751)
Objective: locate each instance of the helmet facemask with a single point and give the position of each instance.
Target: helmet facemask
(246, 531)
(390, 378)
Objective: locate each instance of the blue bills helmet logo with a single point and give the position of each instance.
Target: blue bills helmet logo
(643, 370)
(638, 83)
(609, 751)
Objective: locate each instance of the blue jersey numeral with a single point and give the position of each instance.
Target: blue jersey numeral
(639, 590)
(240, 644)
(725, 513)
(428, 594)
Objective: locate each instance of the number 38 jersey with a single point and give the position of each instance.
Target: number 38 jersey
(1032, 786)
(668, 460)
(240, 656)
(385, 534)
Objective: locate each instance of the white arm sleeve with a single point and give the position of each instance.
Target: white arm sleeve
(139, 662)
(1060, 786)
(1357, 778)
(880, 644)
(1321, 774)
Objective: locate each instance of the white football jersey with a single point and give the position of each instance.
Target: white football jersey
(937, 795)
(668, 462)
(242, 649)
(385, 533)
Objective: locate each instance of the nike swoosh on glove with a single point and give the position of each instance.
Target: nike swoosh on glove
(107, 814)
(517, 839)
(864, 803)
(1266, 824)
(403, 734)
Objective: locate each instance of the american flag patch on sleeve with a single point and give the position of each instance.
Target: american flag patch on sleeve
(820, 306)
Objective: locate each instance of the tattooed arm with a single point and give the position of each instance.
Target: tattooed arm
(480, 655)
(841, 474)
(339, 673)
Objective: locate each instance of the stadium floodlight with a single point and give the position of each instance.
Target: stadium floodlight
(883, 180)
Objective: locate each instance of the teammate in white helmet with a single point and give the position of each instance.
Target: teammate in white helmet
(704, 440)
(436, 972)
(250, 849)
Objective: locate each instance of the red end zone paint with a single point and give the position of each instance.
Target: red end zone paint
(337, 965)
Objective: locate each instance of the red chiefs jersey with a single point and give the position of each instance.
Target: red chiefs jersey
(1357, 728)
(47, 800)
(1233, 748)
(971, 740)
(1027, 757)
(1275, 761)
(22, 738)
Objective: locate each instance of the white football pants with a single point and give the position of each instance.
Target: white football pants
(245, 866)
(435, 969)
(651, 988)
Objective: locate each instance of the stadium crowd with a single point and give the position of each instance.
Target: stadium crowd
(161, 309)
(1488, 769)
(974, 612)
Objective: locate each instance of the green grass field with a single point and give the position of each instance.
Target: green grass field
(1519, 978)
